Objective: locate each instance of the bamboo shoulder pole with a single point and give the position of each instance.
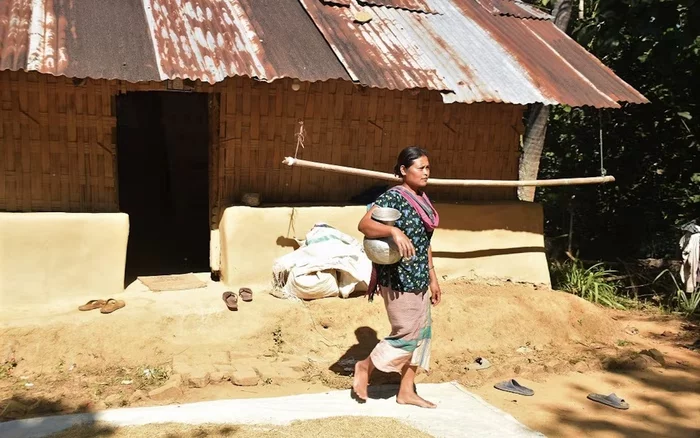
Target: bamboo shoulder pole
(289, 161)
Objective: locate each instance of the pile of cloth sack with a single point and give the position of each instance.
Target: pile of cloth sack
(328, 263)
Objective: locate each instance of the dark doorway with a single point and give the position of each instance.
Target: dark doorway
(162, 154)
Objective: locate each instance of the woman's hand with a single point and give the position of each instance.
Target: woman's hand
(404, 244)
(435, 292)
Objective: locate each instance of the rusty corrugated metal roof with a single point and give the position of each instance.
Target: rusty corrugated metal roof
(478, 56)
(471, 51)
(514, 8)
(408, 5)
(374, 54)
(146, 40)
(556, 66)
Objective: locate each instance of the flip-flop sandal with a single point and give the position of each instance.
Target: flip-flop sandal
(246, 294)
(112, 305)
(611, 400)
(479, 364)
(92, 305)
(513, 386)
(231, 300)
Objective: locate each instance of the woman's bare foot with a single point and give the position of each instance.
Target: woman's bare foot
(360, 380)
(415, 400)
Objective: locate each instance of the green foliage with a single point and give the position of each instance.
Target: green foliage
(687, 303)
(594, 284)
(652, 149)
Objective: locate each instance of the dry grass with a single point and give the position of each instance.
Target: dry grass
(349, 427)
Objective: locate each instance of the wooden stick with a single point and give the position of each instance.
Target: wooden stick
(289, 161)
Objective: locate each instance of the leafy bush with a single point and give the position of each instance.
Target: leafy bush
(595, 284)
(687, 303)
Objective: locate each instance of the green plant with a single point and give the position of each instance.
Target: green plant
(150, 376)
(594, 284)
(688, 303)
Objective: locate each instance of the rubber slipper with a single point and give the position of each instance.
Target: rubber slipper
(513, 386)
(111, 305)
(246, 294)
(611, 400)
(231, 300)
(92, 305)
(479, 364)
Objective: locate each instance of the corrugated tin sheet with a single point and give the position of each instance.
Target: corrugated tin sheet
(142, 40)
(408, 5)
(83, 39)
(470, 51)
(514, 8)
(374, 53)
(555, 65)
(478, 56)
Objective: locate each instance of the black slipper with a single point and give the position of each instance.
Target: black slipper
(513, 386)
(611, 400)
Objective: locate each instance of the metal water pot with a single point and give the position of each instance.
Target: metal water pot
(383, 251)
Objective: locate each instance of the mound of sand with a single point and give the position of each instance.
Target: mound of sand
(78, 359)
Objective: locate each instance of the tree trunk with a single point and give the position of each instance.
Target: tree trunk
(537, 122)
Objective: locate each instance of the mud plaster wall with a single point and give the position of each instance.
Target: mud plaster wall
(501, 240)
(49, 257)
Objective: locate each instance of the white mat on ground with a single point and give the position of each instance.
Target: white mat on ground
(459, 413)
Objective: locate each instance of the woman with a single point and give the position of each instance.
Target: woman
(404, 285)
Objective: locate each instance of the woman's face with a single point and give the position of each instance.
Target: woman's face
(417, 175)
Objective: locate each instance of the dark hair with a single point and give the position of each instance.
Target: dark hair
(407, 157)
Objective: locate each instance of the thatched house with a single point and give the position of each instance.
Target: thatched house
(150, 119)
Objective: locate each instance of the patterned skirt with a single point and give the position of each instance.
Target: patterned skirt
(409, 341)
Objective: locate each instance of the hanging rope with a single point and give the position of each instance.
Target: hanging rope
(300, 138)
(603, 172)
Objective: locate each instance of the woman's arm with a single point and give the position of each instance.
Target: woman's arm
(373, 229)
(377, 230)
(435, 292)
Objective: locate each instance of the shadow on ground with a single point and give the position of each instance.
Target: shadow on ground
(21, 406)
(366, 341)
(650, 403)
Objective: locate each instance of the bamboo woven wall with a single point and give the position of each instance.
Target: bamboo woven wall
(57, 141)
(56, 145)
(357, 127)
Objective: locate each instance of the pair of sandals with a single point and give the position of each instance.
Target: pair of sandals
(105, 306)
(611, 400)
(231, 299)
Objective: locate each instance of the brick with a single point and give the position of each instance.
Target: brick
(138, 395)
(290, 373)
(245, 377)
(267, 371)
(169, 391)
(113, 399)
(182, 365)
(228, 370)
(295, 364)
(220, 358)
(198, 379)
(217, 376)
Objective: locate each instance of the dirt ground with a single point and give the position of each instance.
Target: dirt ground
(349, 427)
(59, 360)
